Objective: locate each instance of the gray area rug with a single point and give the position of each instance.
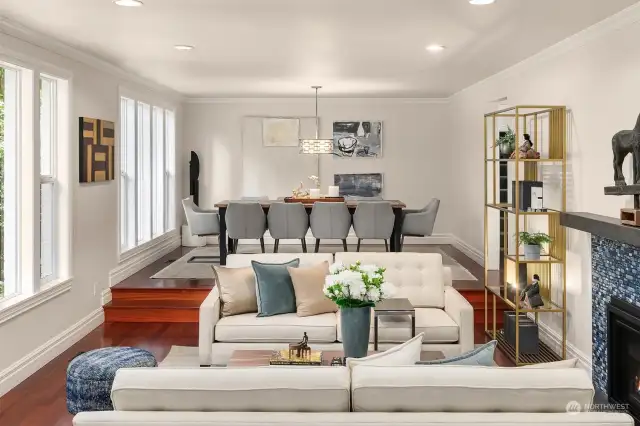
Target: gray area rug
(189, 268)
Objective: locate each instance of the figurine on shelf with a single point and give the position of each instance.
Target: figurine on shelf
(526, 150)
(530, 295)
(300, 192)
(301, 348)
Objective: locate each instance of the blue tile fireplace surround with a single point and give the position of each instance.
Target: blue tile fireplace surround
(615, 268)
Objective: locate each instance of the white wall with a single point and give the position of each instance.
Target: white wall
(596, 75)
(94, 93)
(416, 159)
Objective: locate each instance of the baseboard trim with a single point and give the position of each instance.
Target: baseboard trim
(475, 255)
(36, 359)
(553, 339)
(144, 258)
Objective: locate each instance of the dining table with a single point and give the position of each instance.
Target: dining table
(395, 243)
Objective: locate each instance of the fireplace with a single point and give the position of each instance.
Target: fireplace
(623, 348)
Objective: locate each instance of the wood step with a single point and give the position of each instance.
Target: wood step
(141, 313)
(195, 295)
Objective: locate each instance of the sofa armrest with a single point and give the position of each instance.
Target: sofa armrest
(209, 316)
(461, 311)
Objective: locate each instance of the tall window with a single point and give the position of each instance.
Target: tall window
(147, 172)
(29, 244)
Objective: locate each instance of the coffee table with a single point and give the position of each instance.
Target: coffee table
(393, 307)
(260, 358)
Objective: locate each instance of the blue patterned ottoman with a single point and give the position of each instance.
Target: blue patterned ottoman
(90, 376)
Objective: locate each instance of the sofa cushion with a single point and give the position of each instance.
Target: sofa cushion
(274, 289)
(306, 259)
(282, 389)
(248, 328)
(407, 353)
(455, 388)
(237, 290)
(416, 276)
(437, 326)
(308, 284)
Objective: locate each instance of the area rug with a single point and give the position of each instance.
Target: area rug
(189, 268)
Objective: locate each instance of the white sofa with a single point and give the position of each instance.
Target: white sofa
(445, 316)
(368, 396)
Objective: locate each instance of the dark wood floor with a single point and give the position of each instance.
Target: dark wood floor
(41, 399)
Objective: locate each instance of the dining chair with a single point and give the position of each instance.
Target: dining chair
(373, 220)
(288, 221)
(330, 221)
(245, 220)
(419, 223)
(201, 222)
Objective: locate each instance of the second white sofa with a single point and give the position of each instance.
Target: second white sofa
(442, 313)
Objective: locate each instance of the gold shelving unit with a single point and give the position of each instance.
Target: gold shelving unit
(547, 127)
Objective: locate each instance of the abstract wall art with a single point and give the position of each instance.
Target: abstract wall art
(357, 139)
(96, 150)
(280, 132)
(359, 185)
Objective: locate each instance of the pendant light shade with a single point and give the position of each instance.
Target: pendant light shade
(316, 145)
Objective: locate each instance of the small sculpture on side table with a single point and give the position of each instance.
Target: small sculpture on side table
(300, 349)
(627, 142)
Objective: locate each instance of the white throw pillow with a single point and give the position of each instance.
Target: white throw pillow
(565, 363)
(407, 353)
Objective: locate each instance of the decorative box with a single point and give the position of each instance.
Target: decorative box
(531, 195)
(529, 339)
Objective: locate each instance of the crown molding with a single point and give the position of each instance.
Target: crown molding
(330, 100)
(625, 17)
(40, 40)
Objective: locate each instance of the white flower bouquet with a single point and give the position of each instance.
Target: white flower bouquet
(356, 285)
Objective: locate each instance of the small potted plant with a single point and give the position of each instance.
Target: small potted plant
(532, 243)
(506, 143)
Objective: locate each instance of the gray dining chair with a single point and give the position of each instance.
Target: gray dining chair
(330, 221)
(288, 221)
(419, 223)
(373, 220)
(201, 222)
(245, 220)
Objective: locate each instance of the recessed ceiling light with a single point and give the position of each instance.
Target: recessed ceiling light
(435, 48)
(481, 2)
(183, 47)
(129, 3)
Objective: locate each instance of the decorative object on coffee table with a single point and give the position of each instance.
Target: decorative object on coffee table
(90, 376)
(356, 289)
(300, 349)
(627, 142)
(393, 307)
(286, 357)
(532, 243)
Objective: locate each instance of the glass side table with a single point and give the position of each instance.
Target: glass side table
(392, 307)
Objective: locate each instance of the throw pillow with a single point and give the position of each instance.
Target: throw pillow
(274, 289)
(407, 353)
(307, 285)
(482, 355)
(237, 290)
(565, 363)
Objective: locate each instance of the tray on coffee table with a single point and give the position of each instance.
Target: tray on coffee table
(260, 358)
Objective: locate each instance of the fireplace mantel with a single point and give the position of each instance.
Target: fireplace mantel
(602, 226)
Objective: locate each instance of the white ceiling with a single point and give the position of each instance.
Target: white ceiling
(260, 48)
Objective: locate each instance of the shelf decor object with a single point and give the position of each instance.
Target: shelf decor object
(513, 205)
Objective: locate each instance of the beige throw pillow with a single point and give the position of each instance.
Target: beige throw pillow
(308, 284)
(237, 290)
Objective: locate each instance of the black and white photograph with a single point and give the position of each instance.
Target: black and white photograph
(359, 185)
(357, 139)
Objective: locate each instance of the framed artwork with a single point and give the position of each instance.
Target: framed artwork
(96, 150)
(357, 139)
(359, 184)
(280, 132)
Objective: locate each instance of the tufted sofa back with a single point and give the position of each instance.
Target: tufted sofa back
(416, 276)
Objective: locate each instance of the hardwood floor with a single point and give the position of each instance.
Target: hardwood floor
(41, 399)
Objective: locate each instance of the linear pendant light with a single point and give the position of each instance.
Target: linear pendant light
(316, 145)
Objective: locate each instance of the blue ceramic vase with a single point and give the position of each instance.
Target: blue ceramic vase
(355, 325)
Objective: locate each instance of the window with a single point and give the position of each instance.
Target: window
(29, 245)
(147, 172)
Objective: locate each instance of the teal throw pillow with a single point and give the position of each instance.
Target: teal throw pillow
(274, 288)
(482, 355)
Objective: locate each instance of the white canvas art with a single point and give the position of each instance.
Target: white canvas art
(280, 132)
